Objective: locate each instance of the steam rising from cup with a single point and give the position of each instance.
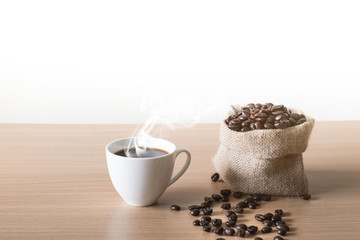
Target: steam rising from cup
(167, 112)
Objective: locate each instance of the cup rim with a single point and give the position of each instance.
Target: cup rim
(139, 158)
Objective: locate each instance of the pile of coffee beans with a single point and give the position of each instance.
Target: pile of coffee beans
(263, 116)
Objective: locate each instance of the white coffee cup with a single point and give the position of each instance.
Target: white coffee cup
(141, 181)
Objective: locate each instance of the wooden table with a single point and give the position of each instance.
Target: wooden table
(54, 184)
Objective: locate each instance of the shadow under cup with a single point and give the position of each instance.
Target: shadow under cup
(141, 181)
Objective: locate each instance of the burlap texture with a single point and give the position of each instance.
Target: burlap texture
(265, 161)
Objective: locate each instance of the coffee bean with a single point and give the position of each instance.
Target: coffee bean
(195, 212)
(306, 196)
(233, 217)
(279, 212)
(259, 217)
(266, 229)
(268, 216)
(278, 238)
(258, 238)
(235, 124)
(256, 197)
(281, 232)
(219, 230)
(225, 192)
(249, 200)
(196, 222)
(280, 223)
(207, 211)
(207, 228)
(241, 226)
(217, 222)
(237, 194)
(192, 207)
(269, 126)
(241, 233)
(276, 218)
(205, 204)
(283, 226)
(229, 231)
(230, 223)
(257, 202)
(252, 229)
(279, 117)
(215, 177)
(252, 205)
(175, 207)
(229, 213)
(226, 206)
(225, 199)
(205, 219)
(242, 205)
(238, 210)
(208, 199)
(220, 239)
(245, 129)
(216, 197)
(267, 222)
(204, 223)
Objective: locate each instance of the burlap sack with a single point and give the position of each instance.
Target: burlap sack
(264, 161)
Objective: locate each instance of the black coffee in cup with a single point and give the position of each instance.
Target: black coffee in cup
(142, 153)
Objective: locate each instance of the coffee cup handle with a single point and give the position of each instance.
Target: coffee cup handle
(184, 168)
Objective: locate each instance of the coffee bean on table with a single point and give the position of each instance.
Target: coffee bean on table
(242, 205)
(220, 239)
(266, 229)
(279, 212)
(257, 202)
(233, 217)
(281, 232)
(196, 222)
(208, 199)
(225, 192)
(257, 197)
(226, 206)
(205, 204)
(252, 205)
(215, 177)
(192, 207)
(207, 211)
(241, 226)
(217, 222)
(283, 226)
(259, 217)
(248, 200)
(229, 231)
(205, 219)
(276, 218)
(238, 210)
(219, 230)
(207, 228)
(258, 238)
(175, 207)
(225, 199)
(230, 223)
(216, 197)
(238, 194)
(278, 238)
(205, 223)
(195, 212)
(267, 222)
(252, 229)
(229, 213)
(241, 233)
(268, 216)
(306, 196)
(279, 223)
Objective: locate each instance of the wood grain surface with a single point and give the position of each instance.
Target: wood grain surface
(54, 184)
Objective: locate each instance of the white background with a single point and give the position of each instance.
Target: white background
(112, 61)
